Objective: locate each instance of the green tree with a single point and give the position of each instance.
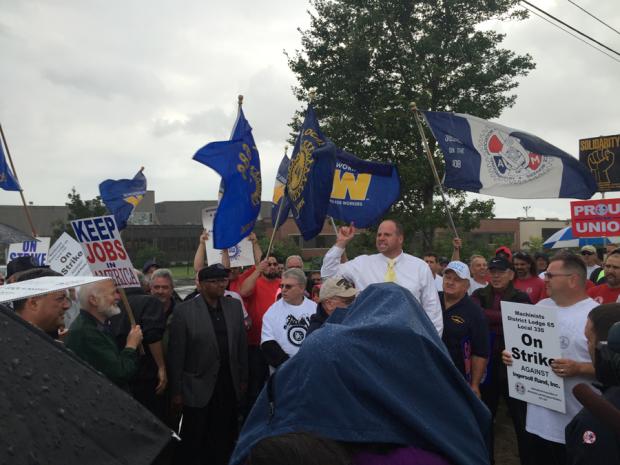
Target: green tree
(368, 59)
(534, 244)
(78, 208)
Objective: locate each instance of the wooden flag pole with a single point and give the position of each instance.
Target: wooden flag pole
(275, 228)
(429, 156)
(130, 315)
(21, 191)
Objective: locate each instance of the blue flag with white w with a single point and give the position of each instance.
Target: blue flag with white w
(310, 177)
(492, 159)
(363, 190)
(278, 194)
(8, 181)
(122, 196)
(237, 162)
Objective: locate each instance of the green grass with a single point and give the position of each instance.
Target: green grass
(182, 272)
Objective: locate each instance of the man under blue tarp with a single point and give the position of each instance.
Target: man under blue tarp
(376, 373)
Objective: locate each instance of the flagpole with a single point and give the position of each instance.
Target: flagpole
(427, 149)
(21, 192)
(275, 228)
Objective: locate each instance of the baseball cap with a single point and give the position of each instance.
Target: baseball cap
(499, 263)
(23, 263)
(589, 248)
(213, 272)
(460, 268)
(148, 264)
(505, 250)
(337, 287)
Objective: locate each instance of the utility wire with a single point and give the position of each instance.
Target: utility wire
(570, 33)
(571, 27)
(590, 14)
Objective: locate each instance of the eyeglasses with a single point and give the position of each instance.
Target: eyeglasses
(553, 275)
(272, 263)
(586, 252)
(288, 286)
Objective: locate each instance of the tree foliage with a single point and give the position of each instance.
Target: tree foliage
(368, 59)
(78, 208)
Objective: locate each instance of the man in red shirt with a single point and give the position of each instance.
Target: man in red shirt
(259, 288)
(526, 278)
(609, 291)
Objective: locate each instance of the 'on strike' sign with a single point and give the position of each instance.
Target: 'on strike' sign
(104, 249)
(595, 218)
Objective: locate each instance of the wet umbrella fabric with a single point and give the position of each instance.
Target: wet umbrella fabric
(377, 373)
(11, 235)
(56, 409)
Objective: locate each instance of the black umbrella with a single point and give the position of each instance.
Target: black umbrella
(56, 409)
(11, 235)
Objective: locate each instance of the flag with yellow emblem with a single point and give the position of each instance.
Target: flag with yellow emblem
(122, 196)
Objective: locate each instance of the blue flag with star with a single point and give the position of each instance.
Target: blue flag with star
(8, 181)
(237, 162)
(310, 177)
(122, 196)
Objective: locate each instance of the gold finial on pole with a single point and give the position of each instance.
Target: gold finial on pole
(286, 149)
(240, 100)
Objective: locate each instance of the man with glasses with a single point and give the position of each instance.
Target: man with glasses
(259, 291)
(565, 280)
(589, 256)
(495, 386)
(286, 322)
(526, 278)
(207, 361)
(609, 291)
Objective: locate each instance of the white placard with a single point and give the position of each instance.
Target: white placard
(531, 336)
(44, 285)
(37, 249)
(67, 257)
(240, 255)
(104, 250)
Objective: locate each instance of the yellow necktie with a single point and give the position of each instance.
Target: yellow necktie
(390, 275)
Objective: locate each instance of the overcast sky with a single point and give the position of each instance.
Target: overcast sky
(94, 89)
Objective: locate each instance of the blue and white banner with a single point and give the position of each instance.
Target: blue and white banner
(493, 159)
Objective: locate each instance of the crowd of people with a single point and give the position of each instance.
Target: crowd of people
(209, 357)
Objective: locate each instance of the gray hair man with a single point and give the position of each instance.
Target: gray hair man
(285, 323)
(337, 292)
(89, 336)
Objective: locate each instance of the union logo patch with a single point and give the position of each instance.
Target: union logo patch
(589, 437)
(508, 162)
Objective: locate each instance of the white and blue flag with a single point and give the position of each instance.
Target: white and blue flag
(492, 159)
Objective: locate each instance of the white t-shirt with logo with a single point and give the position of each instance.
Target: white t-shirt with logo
(439, 283)
(549, 424)
(287, 324)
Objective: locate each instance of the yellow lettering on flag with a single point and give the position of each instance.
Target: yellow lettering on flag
(133, 199)
(357, 188)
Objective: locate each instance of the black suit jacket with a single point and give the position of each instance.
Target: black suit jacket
(193, 354)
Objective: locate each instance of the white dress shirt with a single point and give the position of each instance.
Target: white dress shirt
(411, 273)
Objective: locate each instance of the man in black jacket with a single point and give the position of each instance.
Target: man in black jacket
(496, 383)
(588, 439)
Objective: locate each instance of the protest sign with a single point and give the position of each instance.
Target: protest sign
(44, 285)
(104, 250)
(240, 255)
(595, 218)
(37, 249)
(531, 337)
(599, 155)
(67, 257)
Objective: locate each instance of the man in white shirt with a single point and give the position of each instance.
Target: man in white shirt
(432, 260)
(285, 323)
(389, 265)
(479, 273)
(565, 281)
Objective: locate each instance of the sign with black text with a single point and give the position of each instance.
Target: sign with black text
(104, 250)
(241, 254)
(599, 155)
(532, 338)
(67, 257)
